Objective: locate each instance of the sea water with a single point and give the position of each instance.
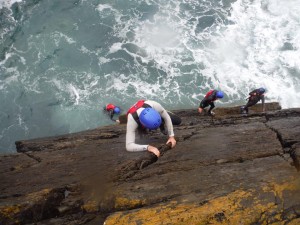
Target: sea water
(61, 62)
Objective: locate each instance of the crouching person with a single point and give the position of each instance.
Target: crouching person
(147, 114)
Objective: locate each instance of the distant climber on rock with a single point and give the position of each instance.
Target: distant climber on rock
(147, 115)
(209, 99)
(112, 110)
(254, 97)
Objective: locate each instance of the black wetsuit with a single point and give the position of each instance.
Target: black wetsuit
(209, 100)
(110, 113)
(176, 120)
(255, 97)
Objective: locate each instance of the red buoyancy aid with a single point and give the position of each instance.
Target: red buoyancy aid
(135, 107)
(209, 93)
(255, 95)
(110, 107)
(211, 96)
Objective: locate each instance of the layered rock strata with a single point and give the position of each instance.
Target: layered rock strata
(227, 169)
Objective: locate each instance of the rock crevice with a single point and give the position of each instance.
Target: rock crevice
(229, 169)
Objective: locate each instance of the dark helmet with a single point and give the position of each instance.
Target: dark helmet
(117, 110)
(262, 90)
(150, 118)
(220, 94)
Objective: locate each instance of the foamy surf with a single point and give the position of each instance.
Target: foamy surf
(68, 62)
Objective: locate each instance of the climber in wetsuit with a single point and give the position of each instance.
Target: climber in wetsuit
(149, 115)
(254, 97)
(112, 110)
(209, 99)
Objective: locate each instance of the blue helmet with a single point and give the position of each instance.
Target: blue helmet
(262, 90)
(117, 110)
(220, 94)
(150, 118)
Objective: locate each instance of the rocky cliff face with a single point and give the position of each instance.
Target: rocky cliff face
(229, 169)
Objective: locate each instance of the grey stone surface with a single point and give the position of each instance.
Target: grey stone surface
(89, 177)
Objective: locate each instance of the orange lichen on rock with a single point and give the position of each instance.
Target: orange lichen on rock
(238, 207)
(9, 212)
(35, 196)
(173, 213)
(90, 206)
(127, 203)
(279, 189)
(12, 211)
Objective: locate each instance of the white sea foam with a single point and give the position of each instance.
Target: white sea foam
(248, 53)
(75, 93)
(84, 50)
(102, 7)
(106, 9)
(115, 47)
(7, 56)
(58, 36)
(169, 51)
(103, 60)
(235, 57)
(8, 3)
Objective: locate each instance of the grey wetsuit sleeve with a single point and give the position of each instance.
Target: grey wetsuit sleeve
(130, 136)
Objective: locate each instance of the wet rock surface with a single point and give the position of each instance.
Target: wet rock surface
(227, 169)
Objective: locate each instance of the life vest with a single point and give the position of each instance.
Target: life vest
(256, 92)
(135, 107)
(208, 94)
(110, 107)
(255, 95)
